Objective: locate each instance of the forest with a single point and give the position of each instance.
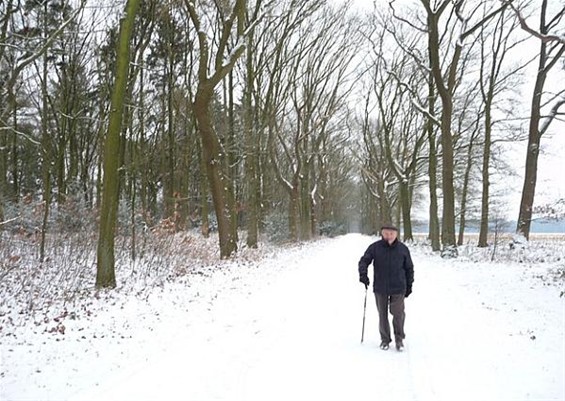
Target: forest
(263, 120)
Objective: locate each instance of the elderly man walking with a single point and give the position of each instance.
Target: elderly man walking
(393, 275)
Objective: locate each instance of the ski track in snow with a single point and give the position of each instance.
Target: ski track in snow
(291, 328)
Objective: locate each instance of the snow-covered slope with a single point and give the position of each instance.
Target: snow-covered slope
(289, 327)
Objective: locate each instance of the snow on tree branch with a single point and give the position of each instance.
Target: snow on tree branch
(553, 113)
(413, 100)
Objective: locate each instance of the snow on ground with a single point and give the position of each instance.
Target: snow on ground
(289, 327)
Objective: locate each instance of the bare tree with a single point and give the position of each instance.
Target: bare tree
(446, 82)
(402, 134)
(425, 103)
(18, 50)
(494, 80)
(316, 80)
(213, 151)
(469, 113)
(375, 169)
(552, 48)
(251, 149)
(274, 60)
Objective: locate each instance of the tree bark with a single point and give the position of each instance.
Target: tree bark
(204, 210)
(46, 150)
(15, 168)
(171, 156)
(294, 213)
(213, 152)
(466, 177)
(252, 207)
(534, 132)
(105, 273)
(448, 191)
(406, 206)
(432, 171)
(446, 96)
(483, 233)
(220, 185)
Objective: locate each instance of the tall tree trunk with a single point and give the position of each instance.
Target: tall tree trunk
(204, 210)
(405, 206)
(131, 188)
(100, 146)
(546, 63)
(133, 194)
(46, 149)
(105, 273)
(142, 165)
(9, 9)
(220, 185)
(184, 168)
(312, 196)
(15, 168)
(305, 206)
(252, 207)
(446, 96)
(170, 159)
(294, 212)
(466, 177)
(432, 171)
(212, 150)
(231, 168)
(483, 234)
(448, 191)
(3, 162)
(60, 163)
(530, 177)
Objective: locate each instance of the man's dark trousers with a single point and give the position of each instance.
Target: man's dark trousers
(396, 303)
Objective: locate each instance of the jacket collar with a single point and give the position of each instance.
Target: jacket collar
(386, 244)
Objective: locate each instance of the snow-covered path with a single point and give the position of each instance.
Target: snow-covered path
(473, 333)
(298, 338)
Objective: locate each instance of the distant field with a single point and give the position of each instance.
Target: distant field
(473, 237)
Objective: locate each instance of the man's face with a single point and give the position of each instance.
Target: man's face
(389, 235)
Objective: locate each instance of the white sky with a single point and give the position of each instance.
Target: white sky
(551, 163)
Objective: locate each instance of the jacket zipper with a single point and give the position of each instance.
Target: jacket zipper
(388, 269)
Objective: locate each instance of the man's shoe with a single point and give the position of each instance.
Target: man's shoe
(384, 346)
(399, 346)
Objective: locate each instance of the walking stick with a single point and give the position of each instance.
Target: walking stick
(364, 310)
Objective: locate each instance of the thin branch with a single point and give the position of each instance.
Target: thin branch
(541, 36)
(552, 114)
(419, 29)
(26, 136)
(485, 19)
(3, 223)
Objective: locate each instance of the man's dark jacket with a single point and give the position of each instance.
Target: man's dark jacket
(393, 267)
